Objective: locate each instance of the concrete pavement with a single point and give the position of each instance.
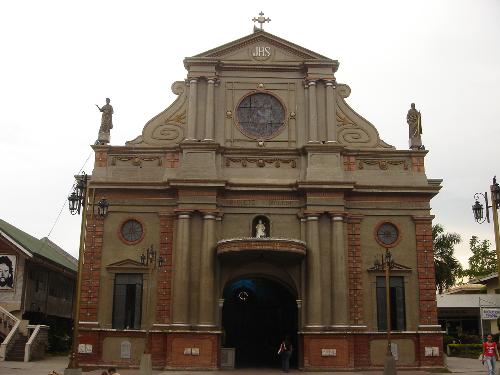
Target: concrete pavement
(44, 367)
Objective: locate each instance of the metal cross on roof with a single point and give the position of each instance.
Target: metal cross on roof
(261, 19)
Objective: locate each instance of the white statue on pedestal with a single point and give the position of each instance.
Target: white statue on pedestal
(260, 230)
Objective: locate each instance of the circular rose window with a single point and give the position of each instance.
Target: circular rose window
(132, 231)
(260, 115)
(387, 234)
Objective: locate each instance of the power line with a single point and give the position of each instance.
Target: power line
(66, 200)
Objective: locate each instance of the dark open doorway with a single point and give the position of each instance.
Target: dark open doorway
(256, 316)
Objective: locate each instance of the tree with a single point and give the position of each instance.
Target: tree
(447, 268)
(483, 260)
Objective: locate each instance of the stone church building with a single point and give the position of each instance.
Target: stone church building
(265, 200)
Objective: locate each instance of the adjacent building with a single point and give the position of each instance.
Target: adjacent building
(37, 283)
(255, 206)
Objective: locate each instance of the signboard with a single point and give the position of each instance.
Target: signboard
(490, 313)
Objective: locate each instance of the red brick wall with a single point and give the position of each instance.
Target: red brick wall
(91, 268)
(164, 286)
(425, 270)
(353, 351)
(349, 163)
(92, 338)
(158, 349)
(417, 164)
(167, 349)
(360, 351)
(313, 344)
(430, 340)
(354, 264)
(207, 343)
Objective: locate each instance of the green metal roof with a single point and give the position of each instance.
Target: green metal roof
(44, 247)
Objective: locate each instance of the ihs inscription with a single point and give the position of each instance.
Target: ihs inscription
(261, 53)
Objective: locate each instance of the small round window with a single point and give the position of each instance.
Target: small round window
(132, 231)
(387, 234)
(260, 115)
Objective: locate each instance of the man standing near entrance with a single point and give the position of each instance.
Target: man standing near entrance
(285, 351)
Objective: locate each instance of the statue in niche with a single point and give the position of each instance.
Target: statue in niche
(414, 120)
(260, 230)
(106, 123)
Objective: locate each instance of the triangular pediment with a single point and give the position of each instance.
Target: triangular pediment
(126, 264)
(262, 46)
(396, 267)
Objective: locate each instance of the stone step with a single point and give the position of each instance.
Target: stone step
(16, 352)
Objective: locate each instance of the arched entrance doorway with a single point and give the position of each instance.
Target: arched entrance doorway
(257, 314)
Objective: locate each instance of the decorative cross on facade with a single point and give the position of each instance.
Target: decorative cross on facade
(261, 19)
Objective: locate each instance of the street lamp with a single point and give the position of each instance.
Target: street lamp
(77, 201)
(152, 262)
(478, 210)
(386, 264)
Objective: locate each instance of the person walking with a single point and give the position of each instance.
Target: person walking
(490, 354)
(285, 351)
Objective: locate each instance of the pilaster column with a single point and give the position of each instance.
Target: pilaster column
(339, 295)
(209, 114)
(313, 113)
(207, 273)
(331, 120)
(356, 313)
(180, 300)
(425, 271)
(192, 108)
(314, 303)
(164, 278)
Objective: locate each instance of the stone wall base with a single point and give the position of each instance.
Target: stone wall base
(323, 351)
(169, 350)
(316, 351)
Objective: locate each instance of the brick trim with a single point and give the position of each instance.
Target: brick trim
(164, 280)
(91, 268)
(354, 264)
(425, 267)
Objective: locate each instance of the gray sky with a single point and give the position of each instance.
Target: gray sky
(59, 58)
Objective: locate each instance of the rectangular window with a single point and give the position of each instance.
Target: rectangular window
(127, 301)
(397, 300)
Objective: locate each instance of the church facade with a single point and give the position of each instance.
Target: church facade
(257, 206)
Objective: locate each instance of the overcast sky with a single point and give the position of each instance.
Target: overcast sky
(60, 58)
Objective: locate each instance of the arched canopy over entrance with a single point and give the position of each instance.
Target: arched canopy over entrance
(257, 314)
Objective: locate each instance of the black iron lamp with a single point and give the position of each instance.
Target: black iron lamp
(77, 197)
(386, 261)
(102, 207)
(150, 259)
(81, 184)
(74, 203)
(478, 211)
(153, 263)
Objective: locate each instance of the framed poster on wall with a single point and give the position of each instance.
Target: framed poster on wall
(7, 271)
